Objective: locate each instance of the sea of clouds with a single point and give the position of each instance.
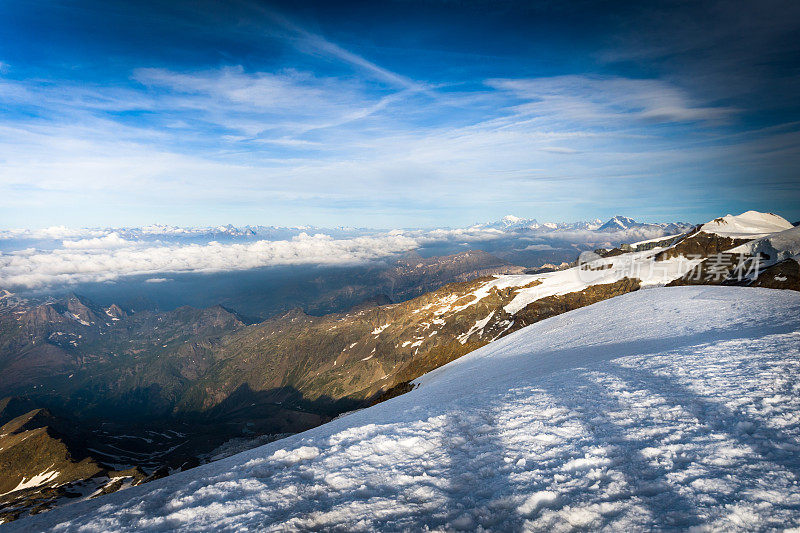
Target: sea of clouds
(35, 259)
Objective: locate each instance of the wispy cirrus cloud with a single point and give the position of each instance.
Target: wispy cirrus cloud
(344, 138)
(317, 43)
(589, 100)
(291, 135)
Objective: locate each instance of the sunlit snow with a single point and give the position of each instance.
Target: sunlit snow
(748, 225)
(667, 408)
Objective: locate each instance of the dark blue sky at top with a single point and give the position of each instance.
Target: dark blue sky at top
(436, 39)
(395, 113)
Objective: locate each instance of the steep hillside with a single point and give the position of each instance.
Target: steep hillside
(207, 374)
(672, 408)
(782, 275)
(47, 462)
(207, 361)
(361, 355)
(58, 338)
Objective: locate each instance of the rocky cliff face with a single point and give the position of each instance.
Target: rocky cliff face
(701, 244)
(782, 275)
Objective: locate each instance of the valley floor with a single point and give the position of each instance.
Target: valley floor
(664, 408)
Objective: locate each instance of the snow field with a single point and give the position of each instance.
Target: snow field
(670, 408)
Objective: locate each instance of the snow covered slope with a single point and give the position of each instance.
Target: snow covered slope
(665, 408)
(778, 246)
(748, 225)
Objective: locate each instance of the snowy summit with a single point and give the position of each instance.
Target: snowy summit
(659, 409)
(750, 224)
(618, 223)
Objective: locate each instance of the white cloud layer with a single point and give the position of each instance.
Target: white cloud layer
(99, 255)
(112, 240)
(34, 269)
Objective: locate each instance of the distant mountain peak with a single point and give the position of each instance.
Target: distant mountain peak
(618, 223)
(510, 222)
(511, 219)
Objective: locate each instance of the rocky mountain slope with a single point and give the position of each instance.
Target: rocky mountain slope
(207, 369)
(671, 408)
(737, 249)
(46, 461)
(71, 334)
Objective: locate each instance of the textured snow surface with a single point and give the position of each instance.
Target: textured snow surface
(748, 225)
(660, 409)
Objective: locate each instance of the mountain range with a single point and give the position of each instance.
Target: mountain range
(161, 231)
(122, 395)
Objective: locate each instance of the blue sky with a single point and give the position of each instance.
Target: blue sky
(395, 114)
